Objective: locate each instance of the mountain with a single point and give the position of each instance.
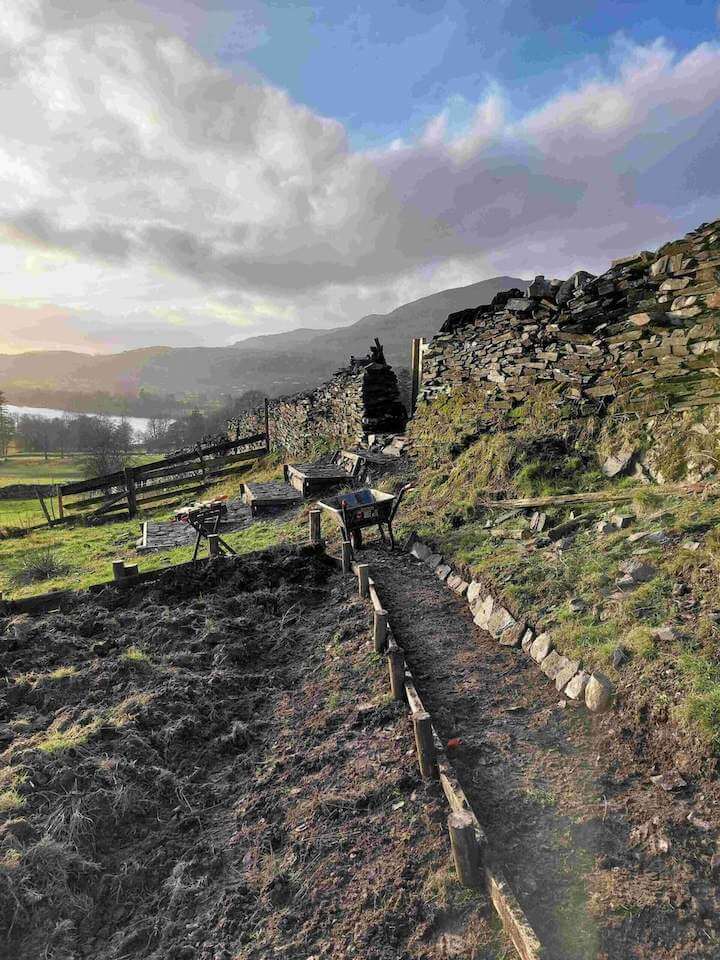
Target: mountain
(274, 363)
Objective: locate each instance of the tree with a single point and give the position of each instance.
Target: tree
(107, 444)
(7, 427)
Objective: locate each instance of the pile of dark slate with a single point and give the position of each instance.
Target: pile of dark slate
(646, 331)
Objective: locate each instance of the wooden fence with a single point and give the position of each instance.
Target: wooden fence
(127, 491)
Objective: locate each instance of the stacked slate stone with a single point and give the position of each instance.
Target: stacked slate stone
(360, 399)
(646, 331)
(383, 410)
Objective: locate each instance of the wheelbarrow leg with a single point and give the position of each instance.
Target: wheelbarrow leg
(382, 533)
(392, 538)
(356, 539)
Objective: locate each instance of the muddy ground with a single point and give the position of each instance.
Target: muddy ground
(209, 766)
(606, 863)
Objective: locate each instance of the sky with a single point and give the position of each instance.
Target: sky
(195, 172)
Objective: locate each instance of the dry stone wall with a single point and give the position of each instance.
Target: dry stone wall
(646, 331)
(361, 399)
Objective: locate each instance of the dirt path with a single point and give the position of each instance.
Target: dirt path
(604, 862)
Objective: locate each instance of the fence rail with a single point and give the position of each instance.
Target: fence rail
(125, 491)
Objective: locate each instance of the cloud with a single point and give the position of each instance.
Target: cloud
(169, 184)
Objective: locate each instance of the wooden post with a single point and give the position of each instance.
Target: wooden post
(214, 544)
(130, 488)
(61, 512)
(425, 745)
(363, 573)
(314, 526)
(131, 570)
(396, 667)
(267, 424)
(380, 622)
(118, 569)
(416, 358)
(42, 504)
(346, 555)
(465, 848)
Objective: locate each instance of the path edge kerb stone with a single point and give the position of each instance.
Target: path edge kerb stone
(595, 690)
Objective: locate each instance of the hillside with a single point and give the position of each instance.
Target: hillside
(277, 363)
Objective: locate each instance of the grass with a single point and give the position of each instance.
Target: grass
(82, 555)
(34, 468)
(460, 463)
(135, 655)
(40, 565)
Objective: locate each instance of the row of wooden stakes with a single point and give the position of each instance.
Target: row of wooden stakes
(468, 842)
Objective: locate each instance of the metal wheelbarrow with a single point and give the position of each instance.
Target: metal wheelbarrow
(358, 509)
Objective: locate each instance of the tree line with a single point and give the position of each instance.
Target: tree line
(107, 445)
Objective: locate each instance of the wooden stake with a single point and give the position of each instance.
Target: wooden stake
(380, 623)
(213, 544)
(425, 745)
(61, 512)
(346, 556)
(314, 526)
(363, 572)
(131, 570)
(465, 848)
(42, 504)
(118, 569)
(396, 667)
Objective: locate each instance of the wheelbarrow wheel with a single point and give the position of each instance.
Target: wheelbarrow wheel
(356, 539)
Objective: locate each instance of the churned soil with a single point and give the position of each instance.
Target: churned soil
(209, 766)
(606, 862)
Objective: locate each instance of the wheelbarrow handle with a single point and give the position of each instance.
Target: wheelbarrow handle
(401, 493)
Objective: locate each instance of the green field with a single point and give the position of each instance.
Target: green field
(34, 468)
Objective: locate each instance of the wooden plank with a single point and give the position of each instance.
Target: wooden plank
(176, 471)
(92, 501)
(169, 494)
(94, 483)
(603, 496)
(512, 915)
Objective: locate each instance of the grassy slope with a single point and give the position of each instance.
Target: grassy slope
(456, 463)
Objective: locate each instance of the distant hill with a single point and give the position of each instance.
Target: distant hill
(275, 363)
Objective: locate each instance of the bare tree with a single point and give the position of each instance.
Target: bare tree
(7, 427)
(108, 444)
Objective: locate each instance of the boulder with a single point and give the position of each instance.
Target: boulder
(420, 551)
(599, 693)
(527, 639)
(552, 664)
(513, 635)
(566, 673)
(619, 462)
(639, 571)
(575, 689)
(473, 591)
(483, 611)
(442, 571)
(433, 561)
(541, 647)
(500, 620)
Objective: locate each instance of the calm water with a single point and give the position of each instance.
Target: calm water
(138, 424)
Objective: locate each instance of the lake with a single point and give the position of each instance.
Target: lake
(138, 424)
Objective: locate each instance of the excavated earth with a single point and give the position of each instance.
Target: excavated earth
(608, 863)
(209, 766)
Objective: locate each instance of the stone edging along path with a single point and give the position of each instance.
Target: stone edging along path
(595, 690)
